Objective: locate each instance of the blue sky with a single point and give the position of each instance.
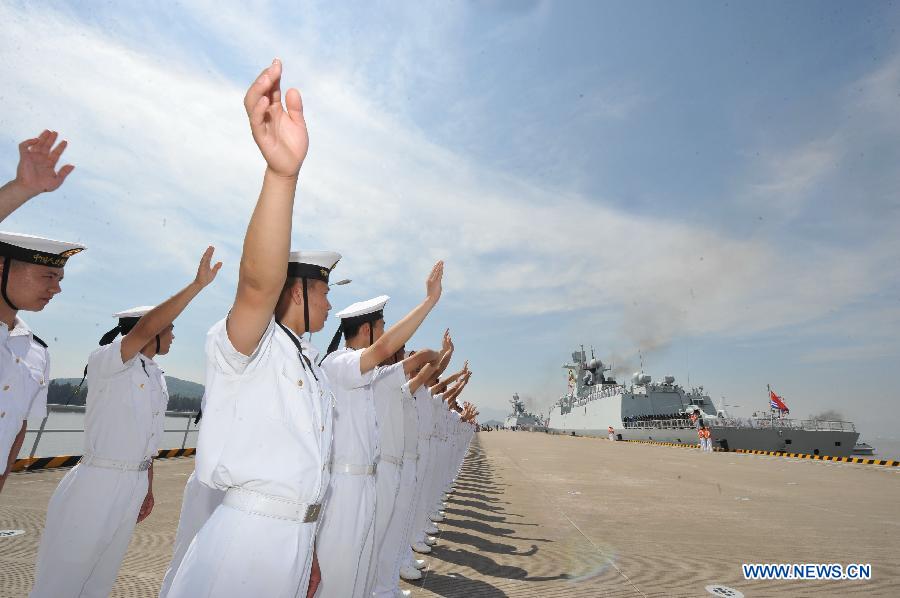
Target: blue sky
(713, 184)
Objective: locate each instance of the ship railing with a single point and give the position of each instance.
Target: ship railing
(826, 425)
(42, 430)
(599, 394)
(782, 424)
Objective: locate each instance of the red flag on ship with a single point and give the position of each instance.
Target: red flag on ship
(776, 402)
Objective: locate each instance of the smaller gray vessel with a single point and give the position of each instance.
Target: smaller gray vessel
(520, 418)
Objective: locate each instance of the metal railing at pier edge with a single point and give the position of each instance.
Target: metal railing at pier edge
(188, 417)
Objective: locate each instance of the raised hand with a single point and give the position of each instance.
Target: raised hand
(433, 284)
(280, 134)
(37, 172)
(206, 273)
(447, 345)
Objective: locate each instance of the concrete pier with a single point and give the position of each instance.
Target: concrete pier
(541, 515)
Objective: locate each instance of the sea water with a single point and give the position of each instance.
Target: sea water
(64, 433)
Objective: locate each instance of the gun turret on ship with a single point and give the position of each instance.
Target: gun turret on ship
(661, 411)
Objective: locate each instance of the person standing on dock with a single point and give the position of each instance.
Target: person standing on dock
(347, 534)
(701, 434)
(93, 511)
(31, 270)
(415, 467)
(197, 505)
(393, 387)
(266, 433)
(611, 432)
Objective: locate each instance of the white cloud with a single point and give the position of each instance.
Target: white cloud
(790, 177)
(878, 93)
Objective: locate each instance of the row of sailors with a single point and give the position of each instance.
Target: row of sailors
(654, 417)
(312, 476)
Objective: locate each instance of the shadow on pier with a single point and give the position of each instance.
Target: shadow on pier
(477, 534)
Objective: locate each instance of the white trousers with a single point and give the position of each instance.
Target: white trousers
(423, 475)
(406, 504)
(90, 519)
(197, 506)
(389, 520)
(346, 536)
(237, 554)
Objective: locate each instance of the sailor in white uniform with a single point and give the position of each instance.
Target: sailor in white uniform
(94, 509)
(418, 529)
(197, 505)
(266, 433)
(435, 483)
(429, 399)
(31, 271)
(413, 535)
(347, 535)
(393, 386)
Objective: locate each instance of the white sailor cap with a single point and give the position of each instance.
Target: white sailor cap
(128, 319)
(134, 312)
(315, 265)
(369, 310)
(354, 316)
(37, 250)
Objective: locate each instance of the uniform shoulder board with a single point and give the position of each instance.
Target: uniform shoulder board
(38, 340)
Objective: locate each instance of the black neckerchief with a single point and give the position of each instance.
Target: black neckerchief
(304, 360)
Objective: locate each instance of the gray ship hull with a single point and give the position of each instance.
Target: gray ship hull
(592, 419)
(835, 444)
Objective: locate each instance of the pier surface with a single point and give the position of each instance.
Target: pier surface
(541, 515)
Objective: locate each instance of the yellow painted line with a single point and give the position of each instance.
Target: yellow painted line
(860, 460)
(21, 464)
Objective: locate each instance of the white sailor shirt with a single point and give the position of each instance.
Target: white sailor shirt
(126, 406)
(355, 426)
(410, 423)
(388, 396)
(425, 414)
(24, 380)
(267, 425)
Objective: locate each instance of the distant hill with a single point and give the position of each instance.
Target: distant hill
(184, 395)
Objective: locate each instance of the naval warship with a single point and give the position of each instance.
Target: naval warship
(520, 418)
(660, 411)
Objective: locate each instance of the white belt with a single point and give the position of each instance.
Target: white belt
(93, 461)
(277, 507)
(398, 461)
(353, 469)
